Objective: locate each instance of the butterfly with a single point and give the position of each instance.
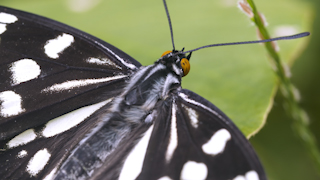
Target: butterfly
(75, 107)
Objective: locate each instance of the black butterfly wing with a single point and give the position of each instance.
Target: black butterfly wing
(193, 139)
(49, 69)
(66, 69)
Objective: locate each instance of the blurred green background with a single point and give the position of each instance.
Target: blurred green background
(237, 79)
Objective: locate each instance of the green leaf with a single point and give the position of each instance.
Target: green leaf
(237, 79)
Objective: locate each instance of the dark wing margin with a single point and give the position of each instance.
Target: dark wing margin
(48, 69)
(193, 139)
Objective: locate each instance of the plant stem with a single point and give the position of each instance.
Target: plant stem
(300, 119)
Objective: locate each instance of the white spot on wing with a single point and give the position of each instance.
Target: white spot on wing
(24, 70)
(250, 175)
(22, 154)
(55, 46)
(38, 162)
(79, 83)
(68, 121)
(133, 164)
(3, 28)
(173, 141)
(193, 170)
(192, 115)
(131, 66)
(217, 142)
(7, 18)
(185, 97)
(10, 104)
(165, 178)
(239, 178)
(23, 138)
(50, 175)
(103, 61)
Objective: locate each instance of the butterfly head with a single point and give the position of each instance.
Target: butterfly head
(177, 58)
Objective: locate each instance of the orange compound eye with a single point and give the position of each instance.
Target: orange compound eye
(165, 53)
(185, 66)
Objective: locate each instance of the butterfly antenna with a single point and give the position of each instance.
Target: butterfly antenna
(300, 35)
(170, 24)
